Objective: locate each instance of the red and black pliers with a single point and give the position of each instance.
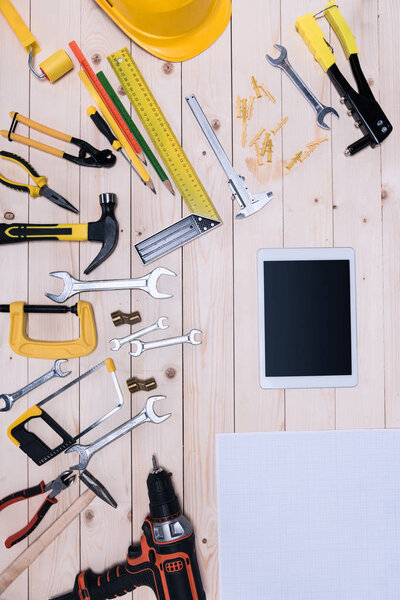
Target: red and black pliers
(60, 483)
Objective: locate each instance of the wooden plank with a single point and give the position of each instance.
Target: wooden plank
(152, 213)
(307, 192)
(105, 532)
(208, 305)
(255, 409)
(389, 84)
(14, 368)
(357, 223)
(55, 105)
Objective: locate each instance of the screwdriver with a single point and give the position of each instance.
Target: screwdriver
(105, 129)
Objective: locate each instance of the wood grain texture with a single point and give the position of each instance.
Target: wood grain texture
(327, 200)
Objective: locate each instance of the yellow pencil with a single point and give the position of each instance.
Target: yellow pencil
(136, 162)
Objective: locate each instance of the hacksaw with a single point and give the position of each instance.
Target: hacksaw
(174, 159)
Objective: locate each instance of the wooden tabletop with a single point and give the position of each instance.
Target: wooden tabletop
(326, 200)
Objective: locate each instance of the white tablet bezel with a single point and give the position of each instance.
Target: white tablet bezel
(329, 381)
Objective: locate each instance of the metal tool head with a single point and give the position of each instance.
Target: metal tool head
(68, 283)
(276, 62)
(258, 202)
(152, 280)
(57, 368)
(60, 483)
(161, 324)
(322, 114)
(148, 410)
(137, 348)
(83, 456)
(115, 344)
(104, 230)
(192, 337)
(98, 488)
(8, 402)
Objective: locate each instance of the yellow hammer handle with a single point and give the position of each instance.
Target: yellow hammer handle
(340, 27)
(16, 23)
(313, 36)
(114, 126)
(15, 137)
(42, 128)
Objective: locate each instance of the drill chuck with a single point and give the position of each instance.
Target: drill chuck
(162, 497)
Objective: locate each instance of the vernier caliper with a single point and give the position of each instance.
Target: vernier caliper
(249, 203)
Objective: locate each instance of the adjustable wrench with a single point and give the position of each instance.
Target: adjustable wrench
(55, 371)
(283, 63)
(142, 346)
(146, 415)
(116, 343)
(147, 283)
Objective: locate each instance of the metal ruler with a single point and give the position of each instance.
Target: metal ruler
(164, 139)
(249, 203)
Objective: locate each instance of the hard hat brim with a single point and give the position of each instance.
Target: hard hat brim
(178, 48)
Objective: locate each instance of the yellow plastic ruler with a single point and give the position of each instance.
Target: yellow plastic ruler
(164, 139)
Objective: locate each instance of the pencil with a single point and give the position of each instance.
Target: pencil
(135, 132)
(136, 162)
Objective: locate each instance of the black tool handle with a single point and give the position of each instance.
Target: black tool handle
(42, 308)
(33, 446)
(103, 127)
(23, 232)
(36, 490)
(33, 523)
(14, 157)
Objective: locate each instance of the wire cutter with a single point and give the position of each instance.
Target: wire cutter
(40, 189)
(361, 105)
(88, 155)
(60, 483)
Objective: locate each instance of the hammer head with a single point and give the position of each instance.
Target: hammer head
(104, 230)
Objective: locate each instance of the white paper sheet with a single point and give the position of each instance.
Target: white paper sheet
(309, 515)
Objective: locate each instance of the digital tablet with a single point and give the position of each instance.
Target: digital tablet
(307, 318)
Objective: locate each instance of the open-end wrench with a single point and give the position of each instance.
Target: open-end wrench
(147, 283)
(142, 346)
(116, 343)
(146, 415)
(283, 63)
(55, 371)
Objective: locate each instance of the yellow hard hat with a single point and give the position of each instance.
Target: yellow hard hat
(174, 30)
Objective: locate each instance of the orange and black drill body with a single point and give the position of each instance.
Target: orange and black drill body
(165, 560)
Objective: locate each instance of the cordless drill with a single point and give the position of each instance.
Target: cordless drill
(165, 560)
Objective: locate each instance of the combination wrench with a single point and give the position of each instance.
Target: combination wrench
(146, 415)
(147, 283)
(188, 338)
(116, 343)
(55, 371)
(283, 63)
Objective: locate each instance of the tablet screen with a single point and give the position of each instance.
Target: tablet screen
(307, 318)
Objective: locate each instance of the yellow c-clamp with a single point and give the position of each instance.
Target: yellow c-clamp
(21, 344)
(54, 67)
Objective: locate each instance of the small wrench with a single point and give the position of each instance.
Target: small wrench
(142, 346)
(56, 371)
(116, 343)
(147, 283)
(146, 415)
(283, 63)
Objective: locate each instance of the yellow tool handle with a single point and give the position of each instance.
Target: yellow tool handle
(34, 190)
(15, 137)
(69, 232)
(136, 162)
(93, 113)
(34, 411)
(42, 128)
(16, 23)
(110, 365)
(340, 27)
(313, 36)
